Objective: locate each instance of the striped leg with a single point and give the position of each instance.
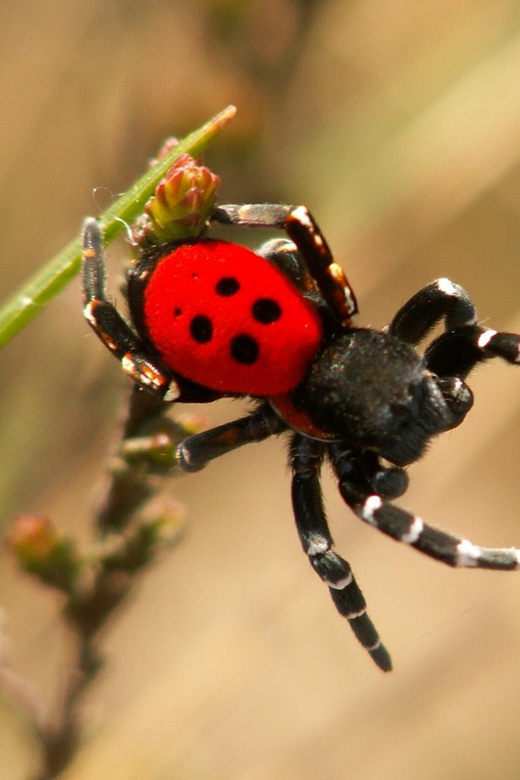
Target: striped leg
(311, 522)
(408, 528)
(196, 451)
(457, 353)
(111, 327)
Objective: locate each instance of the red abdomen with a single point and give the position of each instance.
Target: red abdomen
(227, 319)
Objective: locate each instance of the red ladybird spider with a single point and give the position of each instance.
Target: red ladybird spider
(212, 319)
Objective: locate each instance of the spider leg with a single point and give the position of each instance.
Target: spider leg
(406, 527)
(426, 308)
(458, 352)
(196, 451)
(111, 327)
(316, 540)
(301, 227)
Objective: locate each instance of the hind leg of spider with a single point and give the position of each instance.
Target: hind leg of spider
(196, 451)
(410, 529)
(311, 522)
(302, 229)
(111, 328)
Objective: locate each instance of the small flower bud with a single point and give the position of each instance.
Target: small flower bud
(181, 204)
(42, 552)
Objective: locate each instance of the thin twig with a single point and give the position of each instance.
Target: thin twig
(129, 538)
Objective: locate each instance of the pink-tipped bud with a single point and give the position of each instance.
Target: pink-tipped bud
(33, 537)
(182, 202)
(42, 552)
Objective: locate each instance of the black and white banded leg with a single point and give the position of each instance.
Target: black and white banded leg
(458, 352)
(306, 457)
(410, 529)
(464, 344)
(111, 328)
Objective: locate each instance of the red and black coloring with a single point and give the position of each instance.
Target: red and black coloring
(211, 319)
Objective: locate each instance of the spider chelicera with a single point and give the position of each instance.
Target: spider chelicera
(211, 319)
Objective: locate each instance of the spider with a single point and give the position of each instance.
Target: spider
(211, 319)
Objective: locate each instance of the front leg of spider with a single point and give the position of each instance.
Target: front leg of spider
(464, 344)
(111, 328)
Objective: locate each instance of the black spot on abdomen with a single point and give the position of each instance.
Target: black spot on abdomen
(227, 286)
(266, 311)
(201, 328)
(245, 349)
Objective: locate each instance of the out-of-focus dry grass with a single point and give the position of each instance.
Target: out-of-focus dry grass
(399, 124)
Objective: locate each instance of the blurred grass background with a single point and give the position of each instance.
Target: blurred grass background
(398, 123)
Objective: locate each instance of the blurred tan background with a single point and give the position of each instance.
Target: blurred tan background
(398, 123)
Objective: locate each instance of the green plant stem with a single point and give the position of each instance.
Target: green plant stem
(47, 283)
